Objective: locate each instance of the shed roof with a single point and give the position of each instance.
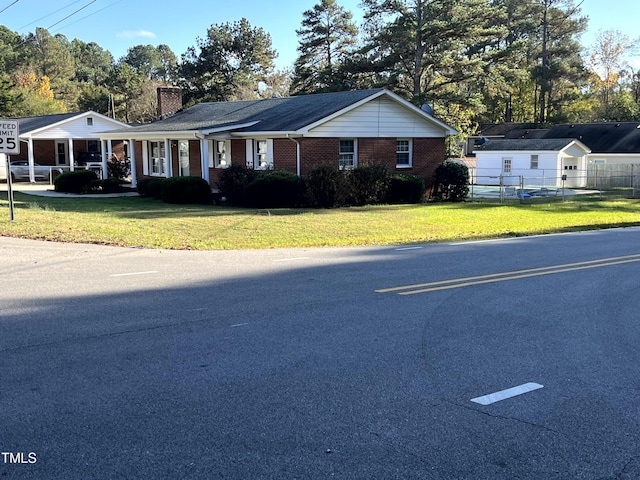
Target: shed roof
(525, 144)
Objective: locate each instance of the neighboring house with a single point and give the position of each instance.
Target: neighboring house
(67, 140)
(541, 162)
(610, 143)
(342, 129)
(606, 144)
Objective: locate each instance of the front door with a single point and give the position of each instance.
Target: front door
(62, 153)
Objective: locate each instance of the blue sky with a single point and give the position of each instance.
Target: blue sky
(117, 25)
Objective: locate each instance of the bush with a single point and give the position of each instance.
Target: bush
(78, 181)
(325, 187)
(276, 189)
(150, 187)
(367, 185)
(118, 169)
(184, 190)
(233, 183)
(405, 189)
(110, 185)
(451, 182)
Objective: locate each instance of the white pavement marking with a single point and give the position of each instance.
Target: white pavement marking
(508, 393)
(133, 273)
(408, 248)
(239, 325)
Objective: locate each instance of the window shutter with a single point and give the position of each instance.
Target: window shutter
(270, 153)
(249, 152)
(145, 157)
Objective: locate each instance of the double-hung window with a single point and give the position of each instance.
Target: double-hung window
(222, 153)
(157, 157)
(403, 153)
(348, 154)
(534, 162)
(260, 157)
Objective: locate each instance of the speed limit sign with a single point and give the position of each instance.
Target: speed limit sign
(9, 137)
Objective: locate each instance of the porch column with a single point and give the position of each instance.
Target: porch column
(167, 158)
(32, 173)
(71, 157)
(105, 158)
(132, 158)
(204, 158)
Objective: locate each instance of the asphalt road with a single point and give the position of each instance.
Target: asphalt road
(370, 363)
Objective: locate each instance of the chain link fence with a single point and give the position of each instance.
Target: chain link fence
(602, 181)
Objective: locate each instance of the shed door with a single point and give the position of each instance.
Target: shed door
(570, 169)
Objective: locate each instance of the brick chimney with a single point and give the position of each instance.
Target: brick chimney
(169, 101)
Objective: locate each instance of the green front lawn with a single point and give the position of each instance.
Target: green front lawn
(143, 222)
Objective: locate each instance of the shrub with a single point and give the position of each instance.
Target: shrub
(405, 189)
(233, 183)
(118, 169)
(188, 189)
(150, 187)
(110, 185)
(325, 187)
(275, 189)
(78, 181)
(451, 182)
(367, 185)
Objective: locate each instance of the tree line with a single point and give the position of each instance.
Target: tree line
(472, 61)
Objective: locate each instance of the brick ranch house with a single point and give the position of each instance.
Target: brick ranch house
(297, 134)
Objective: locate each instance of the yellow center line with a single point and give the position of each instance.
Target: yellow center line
(513, 275)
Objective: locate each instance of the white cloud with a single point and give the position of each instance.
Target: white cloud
(136, 34)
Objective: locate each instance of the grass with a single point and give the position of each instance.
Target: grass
(143, 222)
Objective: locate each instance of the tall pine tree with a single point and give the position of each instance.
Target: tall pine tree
(326, 40)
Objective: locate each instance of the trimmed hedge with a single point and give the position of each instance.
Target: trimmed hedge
(405, 189)
(367, 185)
(233, 183)
(325, 187)
(150, 187)
(185, 190)
(275, 189)
(78, 181)
(110, 185)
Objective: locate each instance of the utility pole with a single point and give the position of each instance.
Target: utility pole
(544, 87)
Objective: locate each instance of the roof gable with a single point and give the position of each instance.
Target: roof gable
(32, 126)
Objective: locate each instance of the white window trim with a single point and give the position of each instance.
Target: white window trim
(161, 161)
(252, 157)
(355, 154)
(405, 165)
(216, 159)
(537, 162)
(507, 161)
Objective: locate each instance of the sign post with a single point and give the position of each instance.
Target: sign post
(9, 145)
